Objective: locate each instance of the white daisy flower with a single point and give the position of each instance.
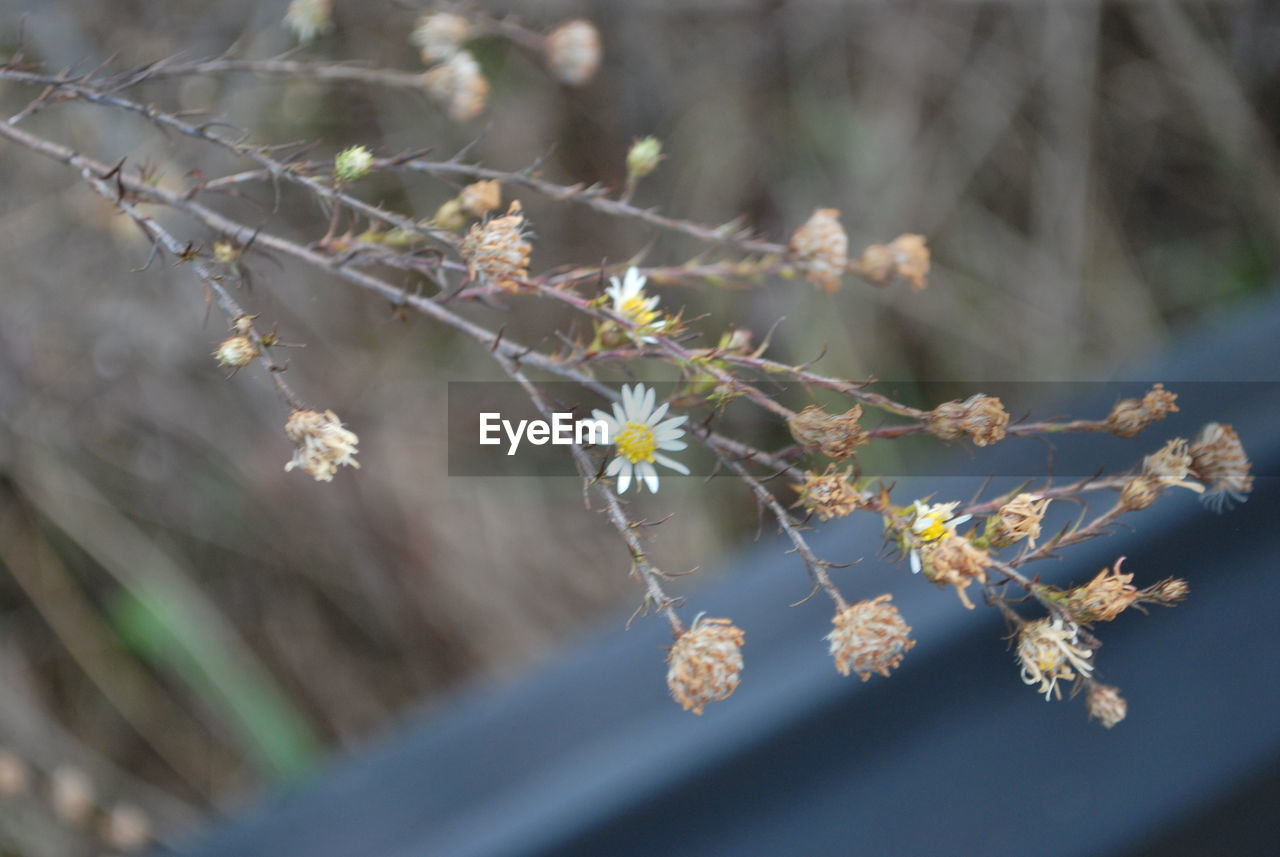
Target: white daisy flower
(630, 302)
(641, 435)
(932, 522)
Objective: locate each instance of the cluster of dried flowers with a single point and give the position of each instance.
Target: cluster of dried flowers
(470, 252)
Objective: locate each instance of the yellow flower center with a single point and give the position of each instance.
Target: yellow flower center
(634, 309)
(936, 529)
(636, 441)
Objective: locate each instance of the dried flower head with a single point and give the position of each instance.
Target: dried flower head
(126, 828)
(705, 664)
(869, 637)
(828, 495)
(1218, 459)
(323, 445)
(1168, 467)
(904, 258)
(309, 18)
(954, 561)
(1130, 416)
(460, 85)
(643, 157)
(1103, 598)
(573, 52)
(1106, 705)
(820, 249)
(15, 775)
(982, 418)
(236, 352)
(497, 251)
(439, 35)
(1166, 593)
(1016, 520)
(72, 795)
(927, 522)
(1049, 651)
(835, 435)
(352, 163)
(480, 198)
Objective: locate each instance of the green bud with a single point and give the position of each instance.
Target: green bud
(352, 164)
(643, 157)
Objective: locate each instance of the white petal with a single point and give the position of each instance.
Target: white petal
(650, 396)
(624, 478)
(650, 476)
(614, 466)
(670, 462)
(610, 422)
(955, 522)
(666, 425)
(659, 413)
(672, 445)
(915, 562)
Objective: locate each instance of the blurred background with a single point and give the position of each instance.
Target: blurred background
(187, 624)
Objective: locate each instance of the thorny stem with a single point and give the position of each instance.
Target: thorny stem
(647, 572)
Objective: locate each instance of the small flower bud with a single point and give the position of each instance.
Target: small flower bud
(126, 828)
(459, 85)
(439, 35)
(1103, 598)
(573, 52)
(820, 249)
(982, 418)
(1106, 705)
(643, 157)
(15, 776)
(952, 560)
(497, 251)
(309, 18)
(1017, 520)
(1050, 651)
(236, 352)
(1219, 460)
(1130, 416)
(352, 164)
(835, 435)
(869, 637)
(450, 216)
(479, 198)
(705, 664)
(1139, 493)
(225, 251)
(828, 495)
(736, 341)
(323, 445)
(905, 258)
(242, 324)
(72, 795)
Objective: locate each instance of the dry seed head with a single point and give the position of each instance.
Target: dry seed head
(236, 351)
(643, 157)
(323, 445)
(904, 258)
(1016, 520)
(1106, 705)
(982, 418)
(1130, 416)
(1050, 651)
(1166, 593)
(869, 637)
(497, 251)
(1139, 493)
(573, 52)
(1169, 466)
(828, 495)
(439, 36)
(309, 18)
(835, 435)
(459, 85)
(1103, 598)
(480, 198)
(820, 249)
(126, 828)
(952, 560)
(705, 664)
(1218, 459)
(15, 776)
(71, 794)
